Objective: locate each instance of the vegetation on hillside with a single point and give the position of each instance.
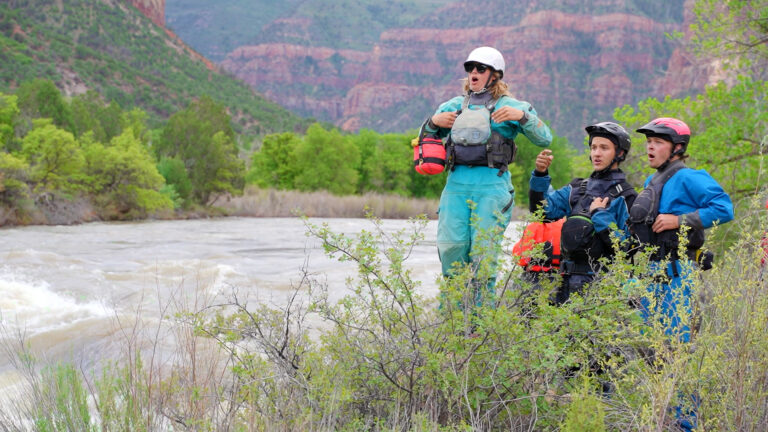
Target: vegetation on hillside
(112, 49)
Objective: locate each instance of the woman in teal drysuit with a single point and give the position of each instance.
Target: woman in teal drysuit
(478, 195)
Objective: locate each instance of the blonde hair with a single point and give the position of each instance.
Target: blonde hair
(498, 89)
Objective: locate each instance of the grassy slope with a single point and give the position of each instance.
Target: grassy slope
(108, 46)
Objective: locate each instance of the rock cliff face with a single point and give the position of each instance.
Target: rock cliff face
(685, 73)
(573, 68)
(154, 9)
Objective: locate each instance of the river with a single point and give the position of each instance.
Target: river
(69, 289)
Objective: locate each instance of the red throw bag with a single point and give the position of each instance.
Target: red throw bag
(429, 155)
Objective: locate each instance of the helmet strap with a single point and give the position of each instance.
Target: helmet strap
(616, 158)
(675, 152)
(488, 83)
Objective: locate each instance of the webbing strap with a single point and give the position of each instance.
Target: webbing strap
(490, 106)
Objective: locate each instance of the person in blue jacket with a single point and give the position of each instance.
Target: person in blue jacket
(594, 207)
(673, 197)
(480, 127)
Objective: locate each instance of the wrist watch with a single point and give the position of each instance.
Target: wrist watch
(524, 119)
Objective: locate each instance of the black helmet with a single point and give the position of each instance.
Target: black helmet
(614, 132)
(670, 129)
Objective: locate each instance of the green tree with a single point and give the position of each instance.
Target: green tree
(55, 157)
(274, 164)
(562, 168)
(91, 113)
(13, 180)
(136, 121)
(202, 137)
(326, 160)
(175, 174)
(730, 133)
(9, 112)
(735, 31)
(40, 98)
(124, 178)
(221, 170)
(385, 162)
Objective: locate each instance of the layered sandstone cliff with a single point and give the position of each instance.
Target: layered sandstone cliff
(574, 68)
(154, 9)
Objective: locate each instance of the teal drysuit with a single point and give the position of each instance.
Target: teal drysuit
(478, 193)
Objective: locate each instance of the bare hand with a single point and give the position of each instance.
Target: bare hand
(506, 113)
(598, 203)
(444, 119)
(665, 222)
(543, 160)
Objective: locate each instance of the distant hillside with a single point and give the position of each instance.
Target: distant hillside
(217, 29)
(386, 65)
(110, 47)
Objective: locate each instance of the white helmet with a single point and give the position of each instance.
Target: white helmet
(487, 56)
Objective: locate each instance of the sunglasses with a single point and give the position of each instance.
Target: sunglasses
(481, 68)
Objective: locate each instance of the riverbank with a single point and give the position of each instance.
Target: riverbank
(255, 202)
(277, 203)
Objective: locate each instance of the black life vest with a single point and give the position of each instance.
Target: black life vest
(578, 241)
(472, 142)
(643, 214)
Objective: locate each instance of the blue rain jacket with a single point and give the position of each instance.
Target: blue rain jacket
(700, 202)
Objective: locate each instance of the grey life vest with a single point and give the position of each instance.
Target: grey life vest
(644, 211)
(472, 142)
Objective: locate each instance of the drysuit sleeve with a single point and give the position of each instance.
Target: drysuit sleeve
(536, 130)
(712, 202)
(448, 106)
(556, 203)
(531, 125)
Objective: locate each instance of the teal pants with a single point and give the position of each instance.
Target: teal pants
(471, 223)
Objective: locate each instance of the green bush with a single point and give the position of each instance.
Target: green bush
(384, 357)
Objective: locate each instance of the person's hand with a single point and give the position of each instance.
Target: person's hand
(444, 119)
(506, 113)
(665, 222)
(543, 160)
(598, 203)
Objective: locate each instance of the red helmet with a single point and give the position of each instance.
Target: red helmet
(671, 129)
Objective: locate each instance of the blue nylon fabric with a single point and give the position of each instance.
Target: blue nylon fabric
(668, 301)
(472, 194)
(688, 191)
(692, 190)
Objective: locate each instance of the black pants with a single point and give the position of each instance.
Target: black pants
(572, 283)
